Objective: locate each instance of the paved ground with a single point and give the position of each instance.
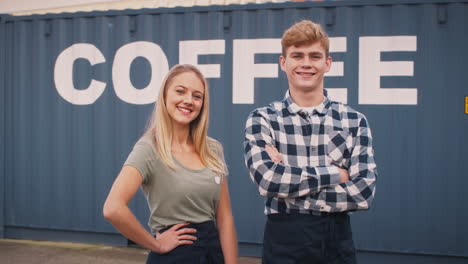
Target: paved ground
(45, 252)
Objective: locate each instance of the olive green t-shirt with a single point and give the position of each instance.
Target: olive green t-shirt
(175, 196)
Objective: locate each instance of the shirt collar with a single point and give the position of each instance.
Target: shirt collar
(293, 108)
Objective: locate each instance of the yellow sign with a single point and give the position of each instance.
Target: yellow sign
(466, 104)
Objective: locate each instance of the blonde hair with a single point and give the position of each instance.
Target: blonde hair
(305, 32)
(160, 126)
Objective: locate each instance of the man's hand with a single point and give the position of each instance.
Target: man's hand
(275, 156)
(344, 175)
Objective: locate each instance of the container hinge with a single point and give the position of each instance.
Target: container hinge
(442, 16)
(227, 21)
(48, 29)
(133, 25)
(330, 16)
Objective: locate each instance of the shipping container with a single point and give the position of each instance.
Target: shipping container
(77, 90)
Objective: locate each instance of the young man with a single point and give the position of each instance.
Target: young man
(311, 157)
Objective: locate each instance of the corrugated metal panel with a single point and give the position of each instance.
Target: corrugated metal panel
(139, 4)
(61, 158)
(2, 124)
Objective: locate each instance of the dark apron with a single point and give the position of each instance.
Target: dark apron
(308, 239)
(205, 250)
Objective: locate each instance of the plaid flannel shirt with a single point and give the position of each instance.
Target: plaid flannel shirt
(313, 147)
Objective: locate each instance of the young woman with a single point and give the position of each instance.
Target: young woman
(183, 176)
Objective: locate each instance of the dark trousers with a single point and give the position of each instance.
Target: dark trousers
(308, 239)
(205, 250)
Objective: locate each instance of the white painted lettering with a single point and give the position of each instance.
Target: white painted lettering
(371, 68)
(245, 70)
(190, 49)
(121, 72)
(63, 74)
(337, 44)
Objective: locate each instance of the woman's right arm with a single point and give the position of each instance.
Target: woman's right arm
(116, 210)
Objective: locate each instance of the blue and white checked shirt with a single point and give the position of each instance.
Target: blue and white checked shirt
(312, 146)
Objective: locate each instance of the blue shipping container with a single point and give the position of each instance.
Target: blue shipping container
(77, 89)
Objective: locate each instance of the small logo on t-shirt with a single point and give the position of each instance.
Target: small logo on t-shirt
(217, 179)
